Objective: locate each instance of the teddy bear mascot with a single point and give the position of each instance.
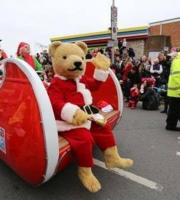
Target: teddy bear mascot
(69, 92)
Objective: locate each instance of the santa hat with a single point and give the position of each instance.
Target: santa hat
(21, 44)
(27, 57)
(149, 80)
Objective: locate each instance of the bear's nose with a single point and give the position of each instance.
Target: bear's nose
(78, 63)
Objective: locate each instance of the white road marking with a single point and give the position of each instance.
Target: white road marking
(133, 177)
(177, 153)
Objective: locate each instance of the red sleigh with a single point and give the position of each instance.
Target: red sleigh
(29, 141)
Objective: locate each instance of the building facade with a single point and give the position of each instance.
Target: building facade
(169, 28)
(135, 36)
(156, 37)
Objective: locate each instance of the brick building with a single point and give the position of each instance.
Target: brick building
(169, 28)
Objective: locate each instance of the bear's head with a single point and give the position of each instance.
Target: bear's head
(68, 59)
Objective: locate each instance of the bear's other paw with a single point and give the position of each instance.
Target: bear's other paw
(101, 62)
(80, 117)
(88, 179)
(113, 159)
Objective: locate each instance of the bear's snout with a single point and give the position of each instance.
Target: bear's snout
(78, 63)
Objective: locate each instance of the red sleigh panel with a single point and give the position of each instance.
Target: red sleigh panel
(24, 119)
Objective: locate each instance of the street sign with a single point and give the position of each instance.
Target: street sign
(112, 43)
(113, 23)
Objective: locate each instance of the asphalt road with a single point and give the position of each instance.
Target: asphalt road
(141, 136)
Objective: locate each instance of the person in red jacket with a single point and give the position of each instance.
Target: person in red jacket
(125, 71)
(127, 68)
(23, 52)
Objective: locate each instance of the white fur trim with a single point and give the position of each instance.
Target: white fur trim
(101, 75)
(85, 92)
(64, 126)
(68, 112)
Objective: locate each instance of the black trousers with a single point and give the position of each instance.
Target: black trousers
(173, 112)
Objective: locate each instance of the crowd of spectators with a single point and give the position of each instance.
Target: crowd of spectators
(144, 79)
(48, 72)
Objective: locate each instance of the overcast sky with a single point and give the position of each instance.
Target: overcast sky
(35, 21)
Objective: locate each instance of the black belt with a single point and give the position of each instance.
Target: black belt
(90, 109)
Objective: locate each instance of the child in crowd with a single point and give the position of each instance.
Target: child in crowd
(149, 97)
(134, 96)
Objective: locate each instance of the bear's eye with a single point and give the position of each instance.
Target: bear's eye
(82, 58)
(64, 57)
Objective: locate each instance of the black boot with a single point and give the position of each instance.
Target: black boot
(172, 128)
(164, 111)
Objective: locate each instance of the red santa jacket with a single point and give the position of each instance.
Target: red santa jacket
(127, 68)
(69, 95)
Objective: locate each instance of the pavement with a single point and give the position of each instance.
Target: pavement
(140, 135)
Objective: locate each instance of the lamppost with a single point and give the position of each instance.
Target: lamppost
(114, 40)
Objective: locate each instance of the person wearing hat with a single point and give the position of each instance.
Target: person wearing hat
(3, 55)
(173, 93)
(23, 52)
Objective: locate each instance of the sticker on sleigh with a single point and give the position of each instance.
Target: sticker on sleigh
(2, 140)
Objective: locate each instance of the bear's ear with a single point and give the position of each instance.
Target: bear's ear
(53, 46)
(83, 46)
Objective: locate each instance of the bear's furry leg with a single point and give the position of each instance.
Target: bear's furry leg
(88, 179)
(113, 159)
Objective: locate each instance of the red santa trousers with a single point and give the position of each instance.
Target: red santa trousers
(82, 140)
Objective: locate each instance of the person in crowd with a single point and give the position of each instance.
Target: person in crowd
(48, 76)
(149, 97)
(126, 69)
(108, 52)
(88, 55)
(23, 52)
(38, 57)
(156, 70)
(144, 67)
(173, 93)
(49, 73)
(116, 53)
(95, 52)
(44, 58)
(101, 51)
(116, 67)
(134, 97)
(133, 76)
(3, 55)
(131, 53)
(122, 45)
(165, 61)
(133, 79)
(116, 70)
